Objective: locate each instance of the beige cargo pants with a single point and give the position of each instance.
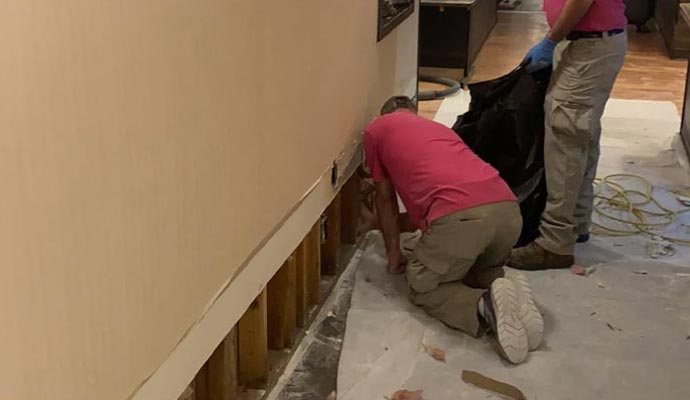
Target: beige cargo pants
(458, 257)
(583, 76)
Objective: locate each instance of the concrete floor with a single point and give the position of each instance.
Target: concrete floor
(613, 335)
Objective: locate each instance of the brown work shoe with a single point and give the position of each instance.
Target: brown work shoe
(535, 258)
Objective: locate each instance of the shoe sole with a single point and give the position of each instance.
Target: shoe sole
(510, 332)
(527, 309)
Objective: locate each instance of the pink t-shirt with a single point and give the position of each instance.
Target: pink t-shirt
(432, 170)
(602, 16)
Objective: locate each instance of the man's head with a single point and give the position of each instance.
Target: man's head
(396, 103)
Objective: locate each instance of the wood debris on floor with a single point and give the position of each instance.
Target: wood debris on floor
(492, 385)
(436, 353)
(406, 395)
(582, 271)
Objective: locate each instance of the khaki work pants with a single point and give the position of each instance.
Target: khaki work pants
(583, 76)
(458, 257)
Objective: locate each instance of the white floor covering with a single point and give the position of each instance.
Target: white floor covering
(616, 334)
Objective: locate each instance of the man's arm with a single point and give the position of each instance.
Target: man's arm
(572, 13)
(541, 55)
(387, 209)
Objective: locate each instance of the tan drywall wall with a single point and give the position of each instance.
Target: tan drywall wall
(146, 149)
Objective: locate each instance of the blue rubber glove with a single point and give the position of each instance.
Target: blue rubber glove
(541, 55)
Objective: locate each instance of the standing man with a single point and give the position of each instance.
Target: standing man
(587, 44)
(469, 220)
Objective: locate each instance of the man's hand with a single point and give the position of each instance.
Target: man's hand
(541, 55)
(387, 210)
(397, 263)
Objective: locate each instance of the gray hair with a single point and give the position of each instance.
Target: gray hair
(396, 103)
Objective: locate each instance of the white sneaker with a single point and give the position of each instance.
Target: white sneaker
(527, 309)
(500, 311)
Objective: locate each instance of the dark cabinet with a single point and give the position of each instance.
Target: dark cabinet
(451, 33)
(673, 29)
(639, 12)
(391, 14)
(685, 122)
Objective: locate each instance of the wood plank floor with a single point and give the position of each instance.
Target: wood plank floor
(648, 74)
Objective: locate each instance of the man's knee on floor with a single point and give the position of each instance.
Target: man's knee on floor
(421, 279)
(482, 278)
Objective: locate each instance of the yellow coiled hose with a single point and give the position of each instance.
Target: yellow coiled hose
(634, 204)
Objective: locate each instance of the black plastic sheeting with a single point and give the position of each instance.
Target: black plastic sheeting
(505, 127)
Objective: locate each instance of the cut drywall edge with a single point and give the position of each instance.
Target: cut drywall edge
(228, 306)
(346, 163)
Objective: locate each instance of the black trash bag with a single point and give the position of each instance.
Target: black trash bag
(505, 127)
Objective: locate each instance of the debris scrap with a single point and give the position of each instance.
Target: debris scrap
(330, 314)
(687, 338)
(406, 395)
(640, 272)
(332, 396)
(659, 247)
(484, 382)
(582, 271)
(436, 353)
(601, 285)
(593, 313)
(578, 270)
(613, 328)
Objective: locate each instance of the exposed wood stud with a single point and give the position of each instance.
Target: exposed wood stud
(221, 370)
(282, 316)
(217, 379)
(291, 304)
(302, 287)
(253, 347)
(349, 209)
(329, 248)
(201, 390)
(314, 264)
